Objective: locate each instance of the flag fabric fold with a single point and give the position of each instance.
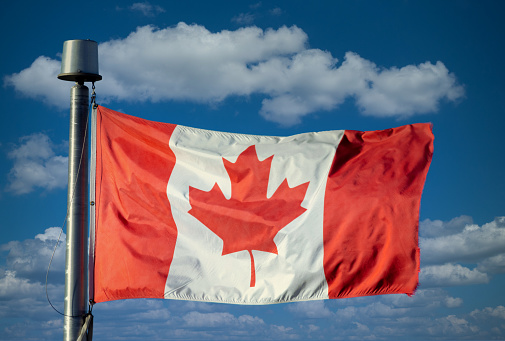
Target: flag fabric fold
(192, 214)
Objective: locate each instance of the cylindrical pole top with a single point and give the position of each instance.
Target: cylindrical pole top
(79, 61)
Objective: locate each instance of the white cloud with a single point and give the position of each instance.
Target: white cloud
(37, 165)
(188, 62)
(155, 314)
(450, 275)
(379, 309)
(24, 310)
(279, 332)
(385, 307)
(218, 319)
(498, 312)
(452, 325)
(25, 298)
(11, 285)
(438, 228)
(428, 299)
(310, 309)
(276, 11)
(244, 19)
(147, 9)
(494, 265)
(413, 89)
(197, 306)
(30, 258)
(361, 328)
(398, 317)
(196, 319)
(40, 81)
(453, 302)
(51, 234)
(448, 245)
(471, 244)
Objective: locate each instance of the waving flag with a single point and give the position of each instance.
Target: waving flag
(192, 214)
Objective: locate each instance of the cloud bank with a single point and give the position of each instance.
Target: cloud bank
(190, 63)
(430, 313)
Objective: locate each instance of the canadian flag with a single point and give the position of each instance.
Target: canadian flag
(192, 214)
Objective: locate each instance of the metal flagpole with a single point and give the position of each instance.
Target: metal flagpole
(79, 64)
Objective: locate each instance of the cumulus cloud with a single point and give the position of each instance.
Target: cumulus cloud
(408, 90)
(188, 62)
(494, 265)
(471, 244)
(155, 314)
(40, 81)
(217, 319)
(310, 309)
(460, 252)
(11, 286)
(453, 302)
(30, 258)
(438, 228)
(452, 325)
(428, 298)
(399, 317)
(37, 165)
(24, 310)
(497, 312)
(451, 275)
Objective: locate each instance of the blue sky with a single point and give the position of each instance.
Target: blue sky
(269, 68)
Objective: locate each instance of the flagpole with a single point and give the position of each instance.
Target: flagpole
(79, 64)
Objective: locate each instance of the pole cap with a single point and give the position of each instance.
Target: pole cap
(79, 61)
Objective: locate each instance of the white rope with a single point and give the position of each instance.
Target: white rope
(83, 334)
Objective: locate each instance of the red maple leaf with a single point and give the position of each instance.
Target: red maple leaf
(248, 220)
